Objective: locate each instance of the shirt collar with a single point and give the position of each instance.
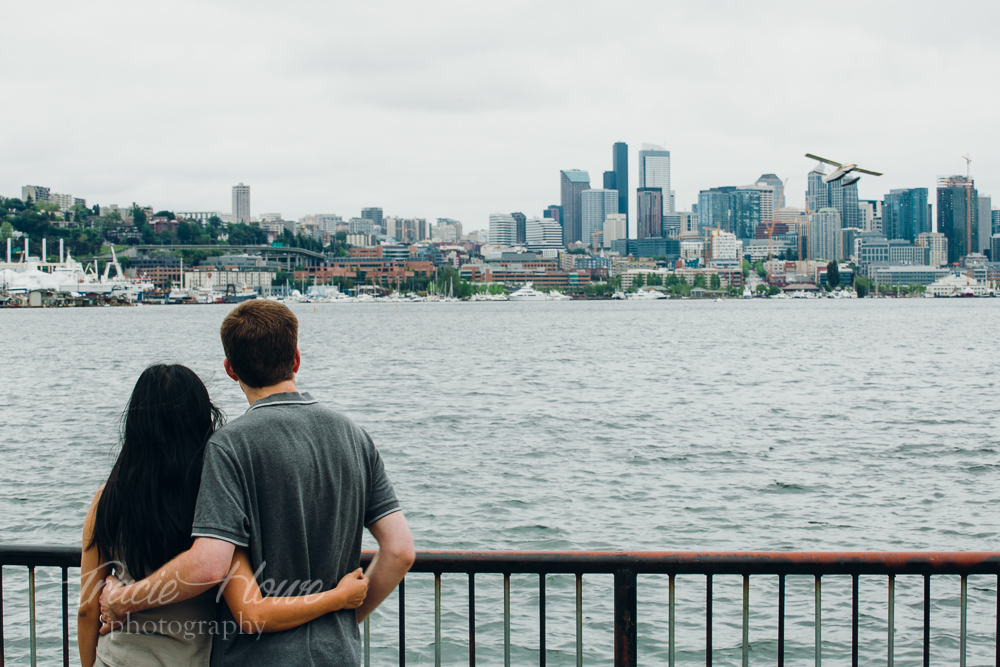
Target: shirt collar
(287, 398)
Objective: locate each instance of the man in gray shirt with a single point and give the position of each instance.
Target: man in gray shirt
(295, 484)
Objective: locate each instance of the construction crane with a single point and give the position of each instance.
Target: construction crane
(968, 204)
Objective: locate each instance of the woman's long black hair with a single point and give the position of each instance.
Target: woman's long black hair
(145, 513)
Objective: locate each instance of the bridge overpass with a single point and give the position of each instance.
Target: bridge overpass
(286, 258)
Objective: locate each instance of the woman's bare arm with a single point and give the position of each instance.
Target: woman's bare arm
(93, 571)
(257, 614)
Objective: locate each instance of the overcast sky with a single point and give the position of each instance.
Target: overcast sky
(459, 109)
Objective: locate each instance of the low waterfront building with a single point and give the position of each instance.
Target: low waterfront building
(897, 275)
(220, 278)
(951, 285)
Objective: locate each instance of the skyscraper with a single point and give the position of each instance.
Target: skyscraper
(374, 214)
(597, 204)
(825, 239)
(520, 219)
(649, 213)
(572, 183)
(714, 209)
(620, 166)
(503, 229)
(241, 203)
(778, 186)
(844, 198)
(745, 212)
(985, 223)
(543, 233)
(956, 219)
(654, 172)
(904, 214)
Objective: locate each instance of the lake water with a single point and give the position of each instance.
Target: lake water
(672, 425)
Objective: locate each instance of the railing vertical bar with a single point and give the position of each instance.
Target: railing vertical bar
(472, 619)
(402, 622)
(65, 615)
(579, 619)
(854, 620)
(31, 616)
(1, 614)
(996, 644)
(746, 620)
(819, 621)
(965, 605)
(670, 650)
(626, 611)
(506, 619)
(892, 621)
(708, 621)
(781, 620)
(541, 620)
(437, 619)
(927, 620)
(368, 641)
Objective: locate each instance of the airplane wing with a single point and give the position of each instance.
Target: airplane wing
(865, 171)
(823, 159)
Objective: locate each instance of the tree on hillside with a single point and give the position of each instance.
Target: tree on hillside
(715, 281)
(165, 214)
(6, 230)
(746, 268)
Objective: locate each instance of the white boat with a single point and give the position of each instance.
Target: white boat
(619, 295)
(556, 295)
(528, 293)
(646, 295)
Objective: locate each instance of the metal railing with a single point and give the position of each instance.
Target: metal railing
(625, 567)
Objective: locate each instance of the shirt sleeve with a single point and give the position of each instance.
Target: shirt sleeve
(221, 510)
(381, 497)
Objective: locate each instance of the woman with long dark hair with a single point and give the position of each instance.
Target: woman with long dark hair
(141, 518)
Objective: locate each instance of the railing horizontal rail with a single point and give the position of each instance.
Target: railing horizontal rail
(643, 562)
(625, 566)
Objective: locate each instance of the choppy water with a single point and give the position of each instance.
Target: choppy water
(744, 425)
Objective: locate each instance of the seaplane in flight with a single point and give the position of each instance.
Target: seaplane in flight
(849, 173)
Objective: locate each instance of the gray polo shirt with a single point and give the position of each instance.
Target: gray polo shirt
(295, 483)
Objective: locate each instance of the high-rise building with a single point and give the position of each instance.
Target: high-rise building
(825, 239)
(572, 184)
(836, 195)
(871, 215)
(520, 219)
(542, 233)
(995, 217)
(777, 186)
(447, 230)
(555, 212)
(620, 167)
(985, 223)
(654, 172)
(746, 210)
(35, 193)
(503, 229)
(904, 214)
(597, 204)
(374, 214)
(241, 203)
(938, 245)
(615, 228)
(958, 215)
(609, 181)
(714, 209)
(649, 213)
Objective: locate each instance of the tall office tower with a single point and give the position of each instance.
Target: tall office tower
(777, 186)
(572, 184)
(654, 172)
(520, 219)
(904, 214)
(620, 166)
(956, 219)
(816, 194)
(241, 203)
(615, 228)
(609, 181)
(555, 212)
(542, 233)
(985, 224)
(767, 197)
(745, 211)
(649, 213)
(597, 204)
(713, 209)
(871, 214)
(503, 229)
(844, 198)
(995, 217)
(825, 239)
(374, 214)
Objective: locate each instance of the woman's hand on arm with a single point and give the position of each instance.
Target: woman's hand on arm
(93, 571)
(257, 614)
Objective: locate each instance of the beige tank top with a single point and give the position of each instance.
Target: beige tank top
(169, 636)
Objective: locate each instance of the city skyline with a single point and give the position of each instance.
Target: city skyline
(338, 122)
